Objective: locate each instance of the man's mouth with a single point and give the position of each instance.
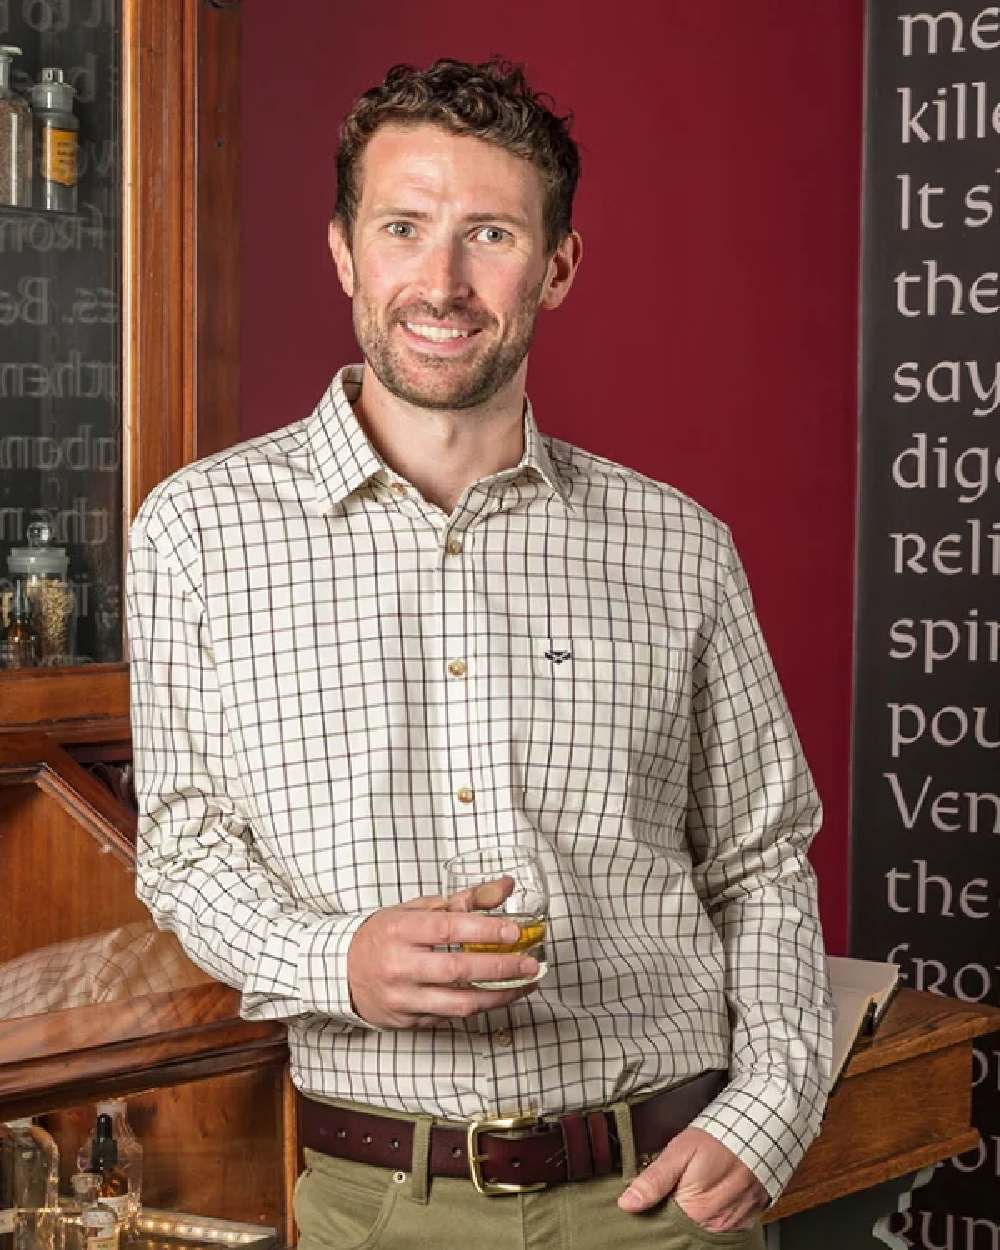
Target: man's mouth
(440, 334)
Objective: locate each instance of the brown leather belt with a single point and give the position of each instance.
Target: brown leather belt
(541, 1152)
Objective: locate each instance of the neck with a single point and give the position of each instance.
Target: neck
(443, 452)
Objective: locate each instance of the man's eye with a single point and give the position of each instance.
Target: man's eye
(493, 234)
(400, 229)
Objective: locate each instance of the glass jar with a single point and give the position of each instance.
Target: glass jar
(44, 569)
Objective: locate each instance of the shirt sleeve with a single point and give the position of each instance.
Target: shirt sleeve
(197, 867)
(753, 812)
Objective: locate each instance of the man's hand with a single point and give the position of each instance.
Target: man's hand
(707, 1181)
(399, 981)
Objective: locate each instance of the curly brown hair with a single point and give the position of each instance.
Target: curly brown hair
(490, 100)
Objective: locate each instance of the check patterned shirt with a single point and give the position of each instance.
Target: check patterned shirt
(308, 752)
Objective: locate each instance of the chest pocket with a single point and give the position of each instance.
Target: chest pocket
(598, 725)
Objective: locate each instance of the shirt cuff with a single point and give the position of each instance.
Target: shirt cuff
(303, 971)
(764, 1126)
(322, 967)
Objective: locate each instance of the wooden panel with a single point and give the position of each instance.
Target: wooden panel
(186, 1054)
(883, 1118)
(210, 1147)
(215, 216)
(154, 258)
(57, 882)
(918, 1023)
(181, 267)
(30, 696)
(34, 759)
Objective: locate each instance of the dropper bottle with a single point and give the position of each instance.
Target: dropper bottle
(56, 127)
(15, 137)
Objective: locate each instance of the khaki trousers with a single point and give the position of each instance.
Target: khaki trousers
(340, 1205)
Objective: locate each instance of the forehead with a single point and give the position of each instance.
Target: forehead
(428, 161)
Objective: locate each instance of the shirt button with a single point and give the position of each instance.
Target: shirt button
(457, 668)
(398, 487)
(502, 1037)
(454, 547)
(465, 795)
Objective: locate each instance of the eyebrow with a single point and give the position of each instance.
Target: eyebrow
(511, 219)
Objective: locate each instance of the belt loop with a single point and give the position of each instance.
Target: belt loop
(420, 1162)
(626, 1142)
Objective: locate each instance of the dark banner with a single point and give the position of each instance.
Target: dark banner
(926, 784)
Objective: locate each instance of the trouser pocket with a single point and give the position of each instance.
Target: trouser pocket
(340, 1205)
(691, 1236)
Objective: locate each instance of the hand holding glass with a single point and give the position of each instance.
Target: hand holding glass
(522, 896)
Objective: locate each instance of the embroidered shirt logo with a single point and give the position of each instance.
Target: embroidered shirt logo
(557, 657)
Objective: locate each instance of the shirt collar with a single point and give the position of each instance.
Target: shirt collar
(343, 459)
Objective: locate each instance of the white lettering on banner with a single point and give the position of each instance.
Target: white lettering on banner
(936, 640)
(949, 726)
(943, 383)
(972, 982)
(973, 551)
(959, 1232)
(934, 894)
(981, 296)
(987, 1152)
(973, 469)
(986, 1068)
(960, 111)
(949, 811)
(985, 24)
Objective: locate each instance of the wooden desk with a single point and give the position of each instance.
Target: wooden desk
(904, 1104)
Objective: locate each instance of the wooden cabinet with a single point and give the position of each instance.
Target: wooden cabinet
(93, 1000)
(141, 293)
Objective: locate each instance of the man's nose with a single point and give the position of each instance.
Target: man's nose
(443, 273)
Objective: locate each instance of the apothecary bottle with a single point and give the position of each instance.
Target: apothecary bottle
(15, 137)
(43, 569)
(18, 640)
(86, 1224)
(29, 1173)
(55, 147)
(113, 1151)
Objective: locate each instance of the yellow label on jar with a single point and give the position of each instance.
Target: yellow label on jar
(59, 156)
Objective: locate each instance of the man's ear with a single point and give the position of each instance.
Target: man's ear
(563, 264)
(340, 250)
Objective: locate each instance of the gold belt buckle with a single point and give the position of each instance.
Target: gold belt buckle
(484, 1125)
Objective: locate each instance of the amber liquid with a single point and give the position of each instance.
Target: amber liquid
(530, 941)
(532, 932)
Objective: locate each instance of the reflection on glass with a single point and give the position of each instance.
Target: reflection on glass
(60, 337)
(128, 962)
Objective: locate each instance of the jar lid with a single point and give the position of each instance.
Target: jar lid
(52, 91)
(39, 558)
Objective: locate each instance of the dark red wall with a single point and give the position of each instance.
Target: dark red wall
(710, 340)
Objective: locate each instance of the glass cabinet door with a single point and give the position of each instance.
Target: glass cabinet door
(61, 481)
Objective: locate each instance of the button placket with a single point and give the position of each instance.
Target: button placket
(454, 573)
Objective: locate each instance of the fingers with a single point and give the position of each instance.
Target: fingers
(430, 927)
(398, 978)
(433, 1003)
(659, 1179)
(457, 968)
(483, 897)
(710, 1184)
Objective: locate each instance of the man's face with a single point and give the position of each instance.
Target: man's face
(447, 265)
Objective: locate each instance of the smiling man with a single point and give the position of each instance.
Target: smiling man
(411, 625)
